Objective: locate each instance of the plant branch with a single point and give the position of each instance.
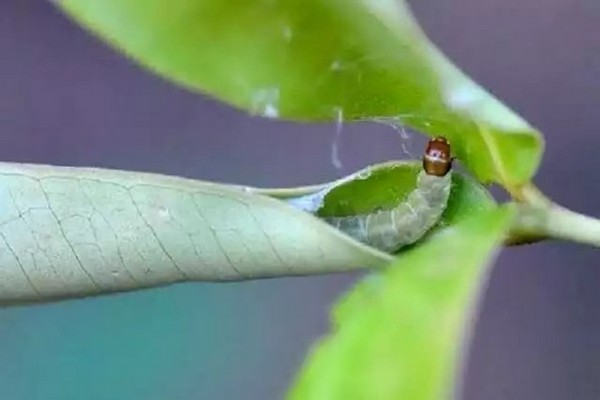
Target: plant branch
(540, 219)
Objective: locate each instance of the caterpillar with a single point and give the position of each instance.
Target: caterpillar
(391, 229)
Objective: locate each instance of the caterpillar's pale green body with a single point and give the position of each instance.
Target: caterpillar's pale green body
(391, 229)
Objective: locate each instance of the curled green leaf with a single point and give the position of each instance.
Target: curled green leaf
(70, 232)
(383, 186)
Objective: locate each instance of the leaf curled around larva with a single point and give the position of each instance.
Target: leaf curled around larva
(391, 229)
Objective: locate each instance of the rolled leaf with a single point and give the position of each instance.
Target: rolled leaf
(67, 232)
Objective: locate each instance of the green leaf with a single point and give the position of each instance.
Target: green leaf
(320, 60)
(385, 185)
(399, 334)
(68, 232)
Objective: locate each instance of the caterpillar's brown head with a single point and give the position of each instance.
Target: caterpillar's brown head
(437, 160)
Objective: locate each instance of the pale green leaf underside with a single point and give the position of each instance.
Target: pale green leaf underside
(67, 232)
(399, 334)
(320, 60)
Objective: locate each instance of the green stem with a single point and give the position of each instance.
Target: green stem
(538, 222)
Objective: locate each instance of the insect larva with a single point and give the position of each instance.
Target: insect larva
(391, 229)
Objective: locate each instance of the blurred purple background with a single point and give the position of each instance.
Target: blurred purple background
(67, 99)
